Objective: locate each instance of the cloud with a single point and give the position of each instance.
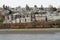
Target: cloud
(15, 3)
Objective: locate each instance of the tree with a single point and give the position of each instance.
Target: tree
(51, 8)
(35, 6)
(4, 7)
(42, 7)
(10, 12)
(27, 7)
(36, 13)
(54, 9)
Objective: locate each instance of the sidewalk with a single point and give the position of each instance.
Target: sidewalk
(46, 29)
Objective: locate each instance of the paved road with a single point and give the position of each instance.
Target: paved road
(30, 31)
(30, 34)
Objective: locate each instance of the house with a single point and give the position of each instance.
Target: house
(10, 18)
(54, 16)
(25, 16)
(41, 16)
(18, 18)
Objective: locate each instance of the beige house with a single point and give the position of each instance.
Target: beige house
(41, 16)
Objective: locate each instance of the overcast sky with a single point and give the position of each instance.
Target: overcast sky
(22, 3)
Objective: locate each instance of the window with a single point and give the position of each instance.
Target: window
(23, 16)
(8, 17)
(12, 17)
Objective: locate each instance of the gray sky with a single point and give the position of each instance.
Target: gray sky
(22, 3)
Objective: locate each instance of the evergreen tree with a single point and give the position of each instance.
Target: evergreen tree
(27, 7)
(42, 7)
(35, 6)
(4, 7)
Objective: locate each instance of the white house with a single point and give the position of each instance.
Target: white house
(54, 16)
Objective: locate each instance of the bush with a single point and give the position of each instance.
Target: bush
(1, 20)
